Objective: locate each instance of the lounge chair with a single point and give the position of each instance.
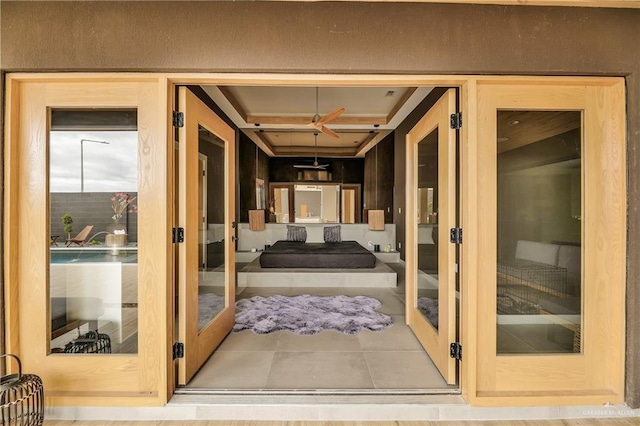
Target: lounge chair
(81, 237)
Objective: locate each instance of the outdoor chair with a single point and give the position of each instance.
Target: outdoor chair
(81, 237)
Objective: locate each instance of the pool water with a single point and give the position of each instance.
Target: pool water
(86, 256)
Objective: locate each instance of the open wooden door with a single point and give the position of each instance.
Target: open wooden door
(206, 276)
(431, 214)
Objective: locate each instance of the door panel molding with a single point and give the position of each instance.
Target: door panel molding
(596, 375)
(140, 378)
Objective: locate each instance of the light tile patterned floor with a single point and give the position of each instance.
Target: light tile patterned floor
(390, 359)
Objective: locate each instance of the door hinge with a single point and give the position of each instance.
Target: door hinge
(456, 235)
(178, 235)
(456, 120)
(455, 351)
(178, 119)
(178, 350)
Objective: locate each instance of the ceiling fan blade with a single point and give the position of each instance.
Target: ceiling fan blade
(315, 126)
(311, 166)
(329, 132)
(330, 116)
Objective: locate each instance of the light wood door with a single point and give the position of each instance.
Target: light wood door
(206, 295)
(430, 257)
(54, 292)
(551, 242)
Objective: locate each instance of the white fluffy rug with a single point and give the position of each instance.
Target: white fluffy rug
(308, 314)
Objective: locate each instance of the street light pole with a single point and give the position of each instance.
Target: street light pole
(82, 159)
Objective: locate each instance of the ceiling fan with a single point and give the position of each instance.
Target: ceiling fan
(318, 123)
(315, 164)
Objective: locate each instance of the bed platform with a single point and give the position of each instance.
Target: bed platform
(253, 275)
(342, 255)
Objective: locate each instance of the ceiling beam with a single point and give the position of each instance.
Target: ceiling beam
(266, 146)
(235, 103)
(301, 151)
(403, 100)
(303, 121)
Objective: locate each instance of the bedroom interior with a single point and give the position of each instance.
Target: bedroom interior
(352, 194)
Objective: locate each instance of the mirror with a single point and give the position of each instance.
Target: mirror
(317, 203)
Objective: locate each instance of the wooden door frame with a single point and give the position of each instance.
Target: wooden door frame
(358, 200)
(163, 301)
(283, 185)
(436, 341)
(200, 343)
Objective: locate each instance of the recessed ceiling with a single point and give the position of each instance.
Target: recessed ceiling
(276, 118)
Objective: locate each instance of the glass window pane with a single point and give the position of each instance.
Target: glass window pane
(211, 189)
(93, 276)
(317, 203)
(539, 232)
(427, 198)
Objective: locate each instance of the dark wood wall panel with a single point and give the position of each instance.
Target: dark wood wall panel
(247, 174)
(400, 149)
(343, 170)
(379, 178)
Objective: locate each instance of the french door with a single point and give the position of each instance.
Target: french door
(206, 213)
(431, 213)
(84, 248)
(551, 211)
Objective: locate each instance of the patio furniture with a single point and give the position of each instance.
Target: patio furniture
(81, 237)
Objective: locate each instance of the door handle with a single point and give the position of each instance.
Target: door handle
(234, 224)
(234, 239)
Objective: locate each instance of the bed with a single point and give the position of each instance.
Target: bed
(293, 254)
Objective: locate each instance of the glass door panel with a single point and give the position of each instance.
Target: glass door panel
(212, 268)
(93, 268)
(428, 243)
(431, 213)
(539, 167)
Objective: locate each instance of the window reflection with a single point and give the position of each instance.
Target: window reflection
(93, 274)
(427, 197)
(212, 247)
(317, 203)
(539, 232)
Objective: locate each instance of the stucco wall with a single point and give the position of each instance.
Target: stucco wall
(343, 37)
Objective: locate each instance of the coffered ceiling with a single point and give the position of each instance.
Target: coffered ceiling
(277, 118)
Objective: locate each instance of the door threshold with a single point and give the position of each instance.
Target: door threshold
(316, 392)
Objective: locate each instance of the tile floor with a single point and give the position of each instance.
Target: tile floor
(392, 359)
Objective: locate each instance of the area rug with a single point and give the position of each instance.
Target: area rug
(429, 308)
(308, 314)
(209, 305)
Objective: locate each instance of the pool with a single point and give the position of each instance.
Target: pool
(90, 254)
